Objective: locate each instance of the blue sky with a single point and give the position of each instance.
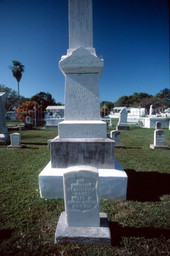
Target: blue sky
(131, 35)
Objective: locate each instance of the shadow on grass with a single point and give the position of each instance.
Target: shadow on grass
(117, 232)
(35, 143)
(5, 234)
(147, 186)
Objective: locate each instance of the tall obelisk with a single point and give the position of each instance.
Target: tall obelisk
(81, 68)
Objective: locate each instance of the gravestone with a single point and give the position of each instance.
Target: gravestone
(159, 140)
(4, 135)
(15, 139)
(115, 135)
(81, 220)
(82, 136)
(122, 123)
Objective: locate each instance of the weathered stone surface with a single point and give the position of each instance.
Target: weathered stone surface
(15, 139)
(81, 196)
(82, 129)
(93, 152)
(85, 235)
(112, 182)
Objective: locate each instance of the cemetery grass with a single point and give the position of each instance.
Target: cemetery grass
(139, 226)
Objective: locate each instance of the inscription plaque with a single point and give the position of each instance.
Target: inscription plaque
(81, 196)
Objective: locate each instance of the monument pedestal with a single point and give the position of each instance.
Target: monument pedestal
(112, 182)
(86, 235)
(152, 146)
(122, 127)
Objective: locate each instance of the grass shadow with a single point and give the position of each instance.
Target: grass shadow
(147, 186)
(5, 234)
(117, 232)
(35, 143)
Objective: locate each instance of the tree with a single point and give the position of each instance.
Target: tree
(27, 108)
(17, 70)
(44, 99)
(12, 98)
(133, 100)
(164, 94)
(106, 107)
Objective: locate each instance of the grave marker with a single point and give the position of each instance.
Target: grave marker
(81, 221)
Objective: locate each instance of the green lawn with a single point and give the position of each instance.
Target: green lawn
(140, 226)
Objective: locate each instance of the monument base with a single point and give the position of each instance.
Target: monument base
(4, 139)
(112, 182)
(84, 235)
(152, 146)
(122, 127)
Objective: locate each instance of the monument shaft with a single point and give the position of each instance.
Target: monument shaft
(80, 24)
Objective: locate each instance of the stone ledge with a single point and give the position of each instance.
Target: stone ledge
(152, 146)
(84, 235)
(112, 182)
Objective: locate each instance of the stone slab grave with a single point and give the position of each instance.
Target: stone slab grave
(122, 123)
(4, 135)
(82, 136)
(115, 135)
(15, 139)
(81, 221)
(159, 138)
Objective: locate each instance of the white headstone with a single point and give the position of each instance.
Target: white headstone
(81, 196)
(15, 139)
(123, 117)
(159, 138)
(122, 123)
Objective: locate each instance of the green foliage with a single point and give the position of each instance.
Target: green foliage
(160, 100)
(139, 226)
(44, 99)
(12, 98)
(27, 108)
(106, 107)
(133, 100)
(17, 70)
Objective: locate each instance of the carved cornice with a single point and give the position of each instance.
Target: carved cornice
(81, 61)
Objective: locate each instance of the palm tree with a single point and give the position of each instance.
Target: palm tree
(17, 70)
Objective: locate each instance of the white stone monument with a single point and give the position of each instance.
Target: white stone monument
(159, 140)
(81, 220)
(15, 139)
(122, 123)
(4, 135)
(82, 136)
(150, 110)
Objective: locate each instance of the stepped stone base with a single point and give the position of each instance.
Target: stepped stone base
(84, 235)
(82, 151)
(82, 129)
(112, 182)
(152, 146)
